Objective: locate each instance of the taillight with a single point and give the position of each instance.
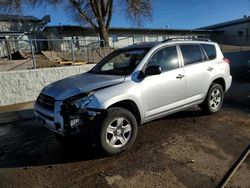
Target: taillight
(226, 60)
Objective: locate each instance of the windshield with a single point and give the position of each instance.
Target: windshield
(120, 62)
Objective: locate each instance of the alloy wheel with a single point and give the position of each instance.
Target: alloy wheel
(118, 132)
(215, 99)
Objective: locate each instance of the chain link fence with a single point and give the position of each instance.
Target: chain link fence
(41, 53)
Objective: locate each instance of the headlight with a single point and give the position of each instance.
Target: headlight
(82, 102)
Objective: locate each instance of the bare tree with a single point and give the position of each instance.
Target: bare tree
(138, 11)
(96, 13)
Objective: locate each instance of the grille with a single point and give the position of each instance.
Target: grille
(46, 101)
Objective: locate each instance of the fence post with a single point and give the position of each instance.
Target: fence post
(33, 54)
(72, 50)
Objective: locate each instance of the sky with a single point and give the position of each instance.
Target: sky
(177, 14)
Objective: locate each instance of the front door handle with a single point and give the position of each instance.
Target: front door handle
(180, 76)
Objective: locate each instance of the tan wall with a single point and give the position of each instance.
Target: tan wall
(24, 86)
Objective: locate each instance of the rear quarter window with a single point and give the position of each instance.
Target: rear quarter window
(209, 50)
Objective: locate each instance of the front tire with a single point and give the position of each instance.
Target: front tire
(214, 99)
(118, 131)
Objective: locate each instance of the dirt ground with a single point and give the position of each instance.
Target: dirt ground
(43, 62)
(25, 62)
(187, 149)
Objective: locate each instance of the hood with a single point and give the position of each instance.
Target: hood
(81, 83)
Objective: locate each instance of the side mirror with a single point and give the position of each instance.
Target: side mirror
(152, 70)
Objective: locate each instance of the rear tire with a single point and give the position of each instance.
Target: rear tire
(118, 131)
(213, 100)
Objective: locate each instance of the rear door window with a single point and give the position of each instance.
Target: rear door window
(209, 50)
(191, 53)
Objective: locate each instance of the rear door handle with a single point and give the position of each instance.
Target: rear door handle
(180, 76)
(210, 69)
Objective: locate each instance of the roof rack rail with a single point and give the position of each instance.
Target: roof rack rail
(188, 38)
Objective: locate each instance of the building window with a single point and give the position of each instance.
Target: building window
(114, 38)
(152, 38)
(138, 38)
(240, 33)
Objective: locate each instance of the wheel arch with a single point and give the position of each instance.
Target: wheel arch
(129, 105)
(217, 80)
(220, 81)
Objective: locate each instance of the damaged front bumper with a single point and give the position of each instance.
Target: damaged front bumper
(65, 122)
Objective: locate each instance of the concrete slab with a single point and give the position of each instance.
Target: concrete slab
(16, 112)
(52, 56)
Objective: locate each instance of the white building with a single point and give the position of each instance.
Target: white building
(15, 31)
(118, 37)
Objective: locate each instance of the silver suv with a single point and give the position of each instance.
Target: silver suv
(132, 86)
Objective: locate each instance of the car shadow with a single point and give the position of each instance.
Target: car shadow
(190, 113)
(27, 143)
(194, 113)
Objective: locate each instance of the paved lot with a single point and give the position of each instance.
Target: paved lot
(187, 149)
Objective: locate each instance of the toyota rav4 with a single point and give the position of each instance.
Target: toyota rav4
(132, 86)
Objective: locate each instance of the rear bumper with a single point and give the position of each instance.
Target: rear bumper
(228, 82)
